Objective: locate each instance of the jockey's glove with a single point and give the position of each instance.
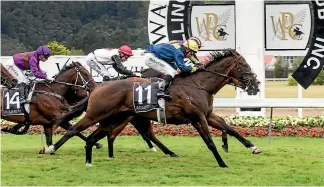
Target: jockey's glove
(50, 78)
(194, 69)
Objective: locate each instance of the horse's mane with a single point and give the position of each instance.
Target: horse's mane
(68, 67)
(216, 56)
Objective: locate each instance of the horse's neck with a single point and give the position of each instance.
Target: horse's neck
(210, 82)
(57, 88)
(6, 73)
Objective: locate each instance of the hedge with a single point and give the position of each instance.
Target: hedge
(245, 125)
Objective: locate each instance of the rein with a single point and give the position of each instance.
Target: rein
(218, 74)
(84, 86)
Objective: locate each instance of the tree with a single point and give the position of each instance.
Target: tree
(278, 70)
(57, 48)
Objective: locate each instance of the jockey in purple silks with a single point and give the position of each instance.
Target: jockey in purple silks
(29, 61)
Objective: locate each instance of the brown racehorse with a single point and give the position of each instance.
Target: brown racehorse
(147, 132)
(192, 102)
(49, 104)
(7, 79)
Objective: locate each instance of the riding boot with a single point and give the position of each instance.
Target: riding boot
(105, 78)
(163, 89)
(22, 93)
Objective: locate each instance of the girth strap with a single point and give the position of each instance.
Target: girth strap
(50, 93)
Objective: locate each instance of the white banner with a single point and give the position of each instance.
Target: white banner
(288, 26)
(214, 25)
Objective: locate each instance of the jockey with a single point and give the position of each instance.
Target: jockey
(100, 57)
(169, 60)
(30, 61)
(193, 58)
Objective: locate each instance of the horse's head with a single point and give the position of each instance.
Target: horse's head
(7, 79)
(235, 69)
(77, 75)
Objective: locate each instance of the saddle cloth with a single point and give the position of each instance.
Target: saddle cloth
(11, 104)
(145, 98)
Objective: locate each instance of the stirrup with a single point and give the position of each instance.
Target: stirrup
(23, 101)
(163, 95)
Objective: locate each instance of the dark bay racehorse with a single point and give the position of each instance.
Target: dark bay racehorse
(49, 104)
(111, 103)
(7, 79)
(145, 131)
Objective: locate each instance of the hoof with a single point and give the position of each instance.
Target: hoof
(88, 164)
(50, 149)
(99, 145)
(111, 157)
(225, 148)
(256, 151)
(153, 149)
(42, 151)
(223, 166)
(174, 155)
(7, 130)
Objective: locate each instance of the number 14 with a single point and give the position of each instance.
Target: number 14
(14, 100)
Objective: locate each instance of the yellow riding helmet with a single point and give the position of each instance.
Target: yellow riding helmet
(192, 45)
(197, 40)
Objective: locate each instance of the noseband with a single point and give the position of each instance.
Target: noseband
(231, 80)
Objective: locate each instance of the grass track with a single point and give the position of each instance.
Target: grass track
(286, 161)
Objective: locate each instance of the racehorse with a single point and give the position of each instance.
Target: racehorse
(111, 103)
(148, 131)
(49, 104)
(145, 131)
(7, 79)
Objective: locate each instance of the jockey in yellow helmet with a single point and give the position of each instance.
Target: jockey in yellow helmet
(169, 60)
(193, 58)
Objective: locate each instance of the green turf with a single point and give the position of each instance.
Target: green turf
(286, 161)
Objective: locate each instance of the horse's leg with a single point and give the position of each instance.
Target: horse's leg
(144, 126)
(112, 135)
(15, 129)
(95, 136)
(24, 131)
(202, 128)
(219, 123)
(48, 130)
(67, 126)
(83, 124)
(224, 133)
(225, 142)
(147, 140)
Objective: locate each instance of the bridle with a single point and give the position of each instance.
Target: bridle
(229, 79)
(78, 75)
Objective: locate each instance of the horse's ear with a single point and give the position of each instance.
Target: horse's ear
(78, 64)
(73, 63)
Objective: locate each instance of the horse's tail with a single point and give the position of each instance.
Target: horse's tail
(75, 111)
